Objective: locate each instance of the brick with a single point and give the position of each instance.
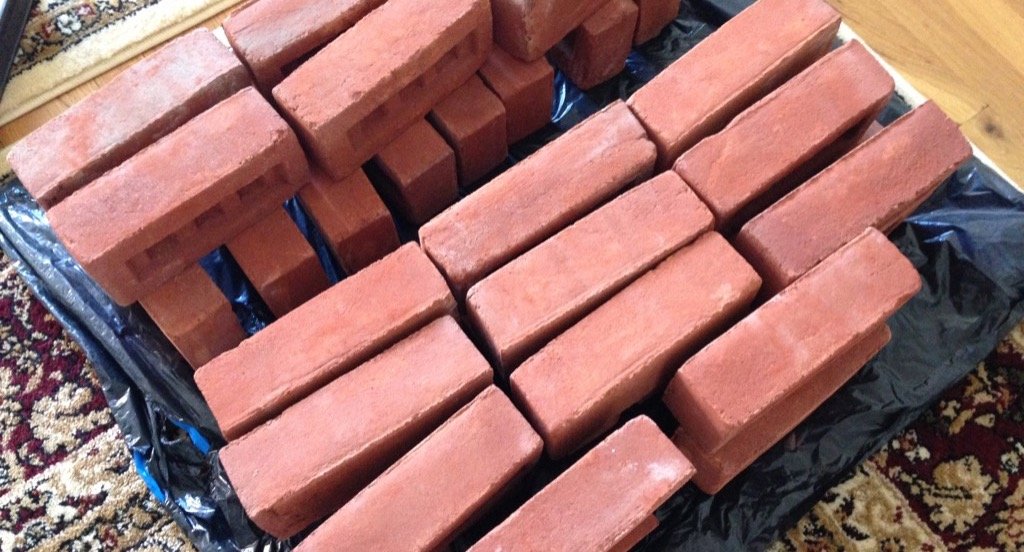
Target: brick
(273, 36)
(834, 99)
(654, 15)
(602, 499)
(539, 196)
(323, 339)
(199, 190)
(164, 90)
(526, 89)
(528, 29)
(468, 461)
(545, 290)
(195, 316)
(352, 218)
(715, 471)
(391, 77)
(342, 436)
(715, 395)
(473, 121)
(279, 262)
(877, 184)
(743, 60)
(421, 178)
(596, 51)
(579, 384)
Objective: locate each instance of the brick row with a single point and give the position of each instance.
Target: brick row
(273, 36)
(370, 84)
(176, 202)
(753, 53)
(539, 196)
(324, 338)
(164, 90)
(539, 294)
(834, 99)
(793, 338)
(877, 184)
(468, 462)
(345, 434)
(604, 501)
(578, 385)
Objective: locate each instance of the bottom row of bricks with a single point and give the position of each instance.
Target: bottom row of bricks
(416, 431)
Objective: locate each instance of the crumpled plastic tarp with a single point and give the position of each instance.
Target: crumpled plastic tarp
(967, 241)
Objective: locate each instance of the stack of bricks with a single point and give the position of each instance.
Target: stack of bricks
(664, 247)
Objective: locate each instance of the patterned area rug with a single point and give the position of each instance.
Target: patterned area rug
(951, 481)
(66, 478)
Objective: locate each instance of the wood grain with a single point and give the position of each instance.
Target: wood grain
(967, 55)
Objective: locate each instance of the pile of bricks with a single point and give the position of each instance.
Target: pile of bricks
(717, 241)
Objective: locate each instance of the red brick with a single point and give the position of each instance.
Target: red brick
(420, 172)
(352, 218)
(195, 316)
(323, 339)
(272, 36)
(145, 102)
(877, 184)
(527, 30)
(716, 470)
(342, 436)
(147, 220)
(602, 499)
(367, 86)
(473, 121)
(654, 16)
(545, 290)
(842, 92)
(280, 262)
(597, 50)
(790, 339)
(468, 462)
(526, 89)
(739, 63)
(579, 384)
(536, 198)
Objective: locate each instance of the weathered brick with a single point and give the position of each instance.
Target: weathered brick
(344, 435)
(387, 77)
(142, 104)
(605, 501)
(654, 16)
(579, 384)
(159, 212)
(877, 184)
(539, 196)
(739, 63)
(539, 294)
(468, 461)
(528, 29)
(420, 172)
(473, 121)
(596, 51)
(195, 316)
(324, 338)
(351, 217)
(526, 89)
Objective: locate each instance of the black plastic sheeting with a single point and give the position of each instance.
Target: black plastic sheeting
(966, 241)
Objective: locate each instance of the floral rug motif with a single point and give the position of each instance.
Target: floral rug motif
(66, 478)
(56, 25)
